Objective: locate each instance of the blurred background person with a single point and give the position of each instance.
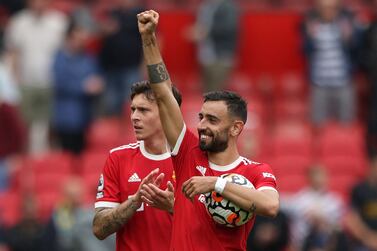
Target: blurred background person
(331, 38)
(369, 60)
(76, 84)
(314, 211)
(84, 16)
(33, 36)
(121, 55)
(13, 5)
(270, 234)
(361, 219)
(12, 128)
(29, 233)
(216, 33)
(71, 222)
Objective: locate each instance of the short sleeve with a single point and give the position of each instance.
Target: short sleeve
(108, 191)
(264, 178)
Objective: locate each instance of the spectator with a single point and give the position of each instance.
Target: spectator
(121, 55)
(76, 82)
(314, 208)
(83, 15)
(12, 6)
(32, 38)
(71, 222)
(330, 39)
(269, 234)
(12, 131)
(216, 32)
(29, 233)
(369, 59)
(361, 220)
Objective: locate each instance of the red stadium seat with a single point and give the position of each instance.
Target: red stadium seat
(51, 162)
(9, 208)
(49, 182)
(106, 134)
(291, 183)
(345, 165)
(291, 85)
(290, 165)
(36, 173)
(65, 6)
(191, 107)
(292, 138)
(291, 108)
(339, 140)
(93, 162)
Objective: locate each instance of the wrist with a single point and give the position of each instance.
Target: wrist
(135, 201)
(220, 185)
(148, 36)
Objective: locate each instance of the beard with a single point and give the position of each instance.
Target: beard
(218, 143)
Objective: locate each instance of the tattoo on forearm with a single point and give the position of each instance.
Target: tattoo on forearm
(253, 208)
(157, 73)
(111, 220)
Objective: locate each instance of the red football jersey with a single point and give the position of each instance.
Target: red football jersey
(149, 228)
(193, 228)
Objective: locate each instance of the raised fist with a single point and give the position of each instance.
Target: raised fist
(147, 21)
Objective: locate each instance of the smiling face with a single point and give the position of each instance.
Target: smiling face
(145, 117)
(215, 127)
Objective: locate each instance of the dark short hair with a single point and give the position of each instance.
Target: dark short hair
(237, 106)
(144, 87)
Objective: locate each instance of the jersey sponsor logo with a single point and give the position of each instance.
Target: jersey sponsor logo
(268, 175)
(202, 170)
(173, 177)
(134, 178)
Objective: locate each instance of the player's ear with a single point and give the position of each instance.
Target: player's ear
(236, 128)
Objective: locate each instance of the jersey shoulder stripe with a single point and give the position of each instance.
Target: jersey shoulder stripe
(129, 146)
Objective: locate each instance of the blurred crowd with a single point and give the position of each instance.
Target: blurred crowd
(65, 77)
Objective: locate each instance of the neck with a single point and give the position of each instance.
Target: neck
(155, 145)
(226, 157)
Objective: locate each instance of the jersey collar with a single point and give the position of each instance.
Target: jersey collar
(150, 156)
(229, 167)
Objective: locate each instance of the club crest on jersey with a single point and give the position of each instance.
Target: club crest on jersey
(173, 177)
(202, 170)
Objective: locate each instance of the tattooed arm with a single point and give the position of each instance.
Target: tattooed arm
(264, 202)
(109, 220)
(170, 114)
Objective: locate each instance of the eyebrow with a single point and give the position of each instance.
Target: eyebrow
(208, 116)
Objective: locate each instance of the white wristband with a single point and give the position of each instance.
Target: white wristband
(220, 185)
